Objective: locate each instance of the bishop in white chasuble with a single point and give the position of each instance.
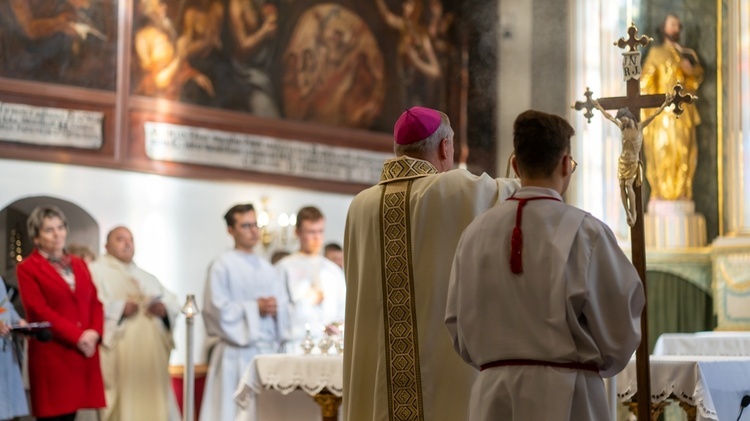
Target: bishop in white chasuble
(399, 242)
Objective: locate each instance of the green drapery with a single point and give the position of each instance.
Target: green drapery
(676, 306)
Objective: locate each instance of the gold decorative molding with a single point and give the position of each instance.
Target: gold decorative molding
(657, 409)
(178, 371)
(329, 404)
(690, 410)
(720, 114)
(731, 288)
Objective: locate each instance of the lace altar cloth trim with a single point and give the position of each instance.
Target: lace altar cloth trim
(666, 392)
(285, 373)
(682, 376)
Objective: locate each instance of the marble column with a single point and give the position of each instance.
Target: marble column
(731, 251)
(736, 121)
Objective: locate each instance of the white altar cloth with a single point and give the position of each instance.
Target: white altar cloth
(715, 385)
(704, 343)
(291, 375)
(285, 373)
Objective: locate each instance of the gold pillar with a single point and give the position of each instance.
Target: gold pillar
(329, 405)
(733, 120)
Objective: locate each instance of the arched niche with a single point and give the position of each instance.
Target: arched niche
(82, 229)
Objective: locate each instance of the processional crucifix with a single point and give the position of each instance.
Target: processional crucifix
(630, 174)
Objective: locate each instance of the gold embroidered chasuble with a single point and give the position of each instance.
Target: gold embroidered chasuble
(399, 362)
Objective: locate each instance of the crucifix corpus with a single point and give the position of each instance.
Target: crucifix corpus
(630, 173)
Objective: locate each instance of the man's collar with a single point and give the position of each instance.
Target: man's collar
(534, 191)
(404, 167)
(113, 260)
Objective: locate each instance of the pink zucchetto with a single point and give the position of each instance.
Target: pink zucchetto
(415, 124)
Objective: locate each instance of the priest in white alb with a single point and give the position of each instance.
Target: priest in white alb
(139, 318)
(542, 302)
(399, 242)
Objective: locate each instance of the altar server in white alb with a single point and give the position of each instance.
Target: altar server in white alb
(541, 299)
(139, 315)
(316, 286)
(398, 247)
(245, 308)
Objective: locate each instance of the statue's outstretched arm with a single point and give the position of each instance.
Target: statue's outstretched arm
(606, 114)
(667, 100)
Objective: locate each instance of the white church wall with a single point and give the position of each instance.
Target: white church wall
(177, 223)
(514, 72)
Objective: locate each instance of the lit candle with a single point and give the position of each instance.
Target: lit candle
(263, 219)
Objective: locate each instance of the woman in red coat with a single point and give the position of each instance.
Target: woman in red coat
(55, 286)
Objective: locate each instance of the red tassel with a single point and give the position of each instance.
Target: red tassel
(516, 248)
(516, 240)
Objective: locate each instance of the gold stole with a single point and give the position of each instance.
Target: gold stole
(400, 313)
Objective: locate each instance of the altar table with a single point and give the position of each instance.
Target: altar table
(320, 377)
(724, 343)
(714, 385)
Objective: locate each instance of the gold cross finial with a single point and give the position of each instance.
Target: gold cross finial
(633, 39)
(680, 98)
(588, 105)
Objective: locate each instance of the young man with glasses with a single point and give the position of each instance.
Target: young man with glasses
(316, 286)
(541, 299)
(244, 307)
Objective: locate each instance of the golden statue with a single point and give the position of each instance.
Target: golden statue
(669, 143)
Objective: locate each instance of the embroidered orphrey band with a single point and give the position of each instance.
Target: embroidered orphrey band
(402, 345)
(404, 167)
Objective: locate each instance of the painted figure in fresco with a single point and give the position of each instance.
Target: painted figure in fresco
(200, 43)
(438, 27)
(361, 100)
(164, 70)
(252, 26)
(336, 76)
(333, 71)
(58, 41)
(670, 143)
(418, 62)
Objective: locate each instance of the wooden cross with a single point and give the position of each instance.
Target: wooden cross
(634, 101)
